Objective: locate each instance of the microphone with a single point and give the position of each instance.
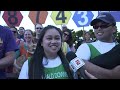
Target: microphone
(76, 64)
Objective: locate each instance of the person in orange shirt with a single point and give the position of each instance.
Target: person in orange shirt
(26, 50)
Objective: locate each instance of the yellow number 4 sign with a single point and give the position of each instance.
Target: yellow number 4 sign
(61, 17)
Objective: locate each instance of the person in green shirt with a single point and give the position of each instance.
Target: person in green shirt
(48, 60)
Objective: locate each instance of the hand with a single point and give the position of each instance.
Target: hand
(90, 75)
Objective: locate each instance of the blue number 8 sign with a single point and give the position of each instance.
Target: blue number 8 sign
(82, 18)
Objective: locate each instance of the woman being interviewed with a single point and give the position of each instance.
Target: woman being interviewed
(48, 61)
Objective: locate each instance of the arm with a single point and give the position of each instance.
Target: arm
(7, 60)
(83, 52)
(102, 73)
(9, 47)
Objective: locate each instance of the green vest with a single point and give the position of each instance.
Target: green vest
(56, 73)
(94, 51)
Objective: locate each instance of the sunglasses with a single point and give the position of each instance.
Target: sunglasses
(102, 26)
(39, 28)
(65, 34)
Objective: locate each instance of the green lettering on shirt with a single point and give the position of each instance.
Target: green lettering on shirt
(56, 73)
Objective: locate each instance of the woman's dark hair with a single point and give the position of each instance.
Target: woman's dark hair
(70, 40)
(36, 68)
(14, 28)
(29, 30)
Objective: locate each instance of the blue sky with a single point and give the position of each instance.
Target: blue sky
(27, 24)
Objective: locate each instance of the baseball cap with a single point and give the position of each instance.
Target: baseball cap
(105, 17)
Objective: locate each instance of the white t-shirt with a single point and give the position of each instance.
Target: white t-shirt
(83, 50)
(48, 63)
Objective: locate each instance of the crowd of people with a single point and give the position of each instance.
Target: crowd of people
(42, 55)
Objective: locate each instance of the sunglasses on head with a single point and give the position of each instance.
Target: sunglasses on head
(39, 28)
(102, 26)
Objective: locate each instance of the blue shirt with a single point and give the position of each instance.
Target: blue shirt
(7, 42)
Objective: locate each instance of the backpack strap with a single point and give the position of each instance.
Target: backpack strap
(93, 50)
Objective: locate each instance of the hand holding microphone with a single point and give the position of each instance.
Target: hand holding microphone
(76, 64)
